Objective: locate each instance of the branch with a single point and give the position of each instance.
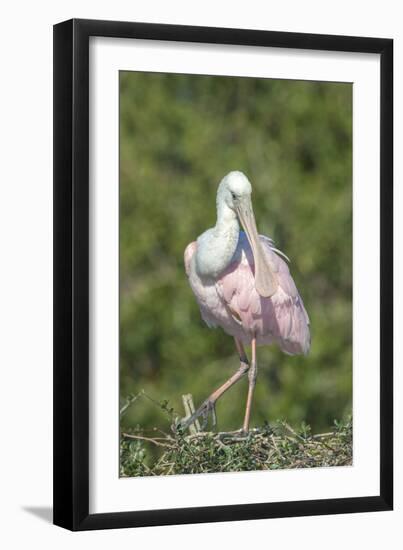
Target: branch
(130, 402)
(155, 441)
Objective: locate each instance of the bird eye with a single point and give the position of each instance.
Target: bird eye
(233, 196)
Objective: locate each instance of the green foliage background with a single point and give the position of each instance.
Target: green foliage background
(179, 135)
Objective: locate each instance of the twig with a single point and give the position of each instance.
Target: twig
(294, 432)
(277, 449)
(130, 402)
(155, 441)
(189, 407)
(319, 436)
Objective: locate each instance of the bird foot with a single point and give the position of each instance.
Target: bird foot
(205, 409)
(242, 432)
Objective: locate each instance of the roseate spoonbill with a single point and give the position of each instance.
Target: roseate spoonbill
(243, 285)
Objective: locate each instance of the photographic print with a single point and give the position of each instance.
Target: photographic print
(235, 243)
(223, 260)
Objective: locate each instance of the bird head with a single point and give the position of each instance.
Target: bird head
(235, 187)
(235, 191)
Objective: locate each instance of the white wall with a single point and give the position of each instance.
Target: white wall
(25, 290)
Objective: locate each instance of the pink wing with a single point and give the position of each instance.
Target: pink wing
(233, 303)
(281, 318)
(189, 251)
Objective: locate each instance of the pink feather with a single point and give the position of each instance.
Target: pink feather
(233, 303)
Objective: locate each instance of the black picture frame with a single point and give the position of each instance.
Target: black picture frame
(71, 274)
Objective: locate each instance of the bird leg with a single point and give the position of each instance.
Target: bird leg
(252, 375)
(209, 404)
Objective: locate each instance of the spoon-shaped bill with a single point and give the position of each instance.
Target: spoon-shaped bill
(265, 279)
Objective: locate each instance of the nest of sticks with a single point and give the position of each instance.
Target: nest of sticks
(269, 447)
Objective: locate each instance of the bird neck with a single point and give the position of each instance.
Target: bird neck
(227, 220)
(217, 246)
